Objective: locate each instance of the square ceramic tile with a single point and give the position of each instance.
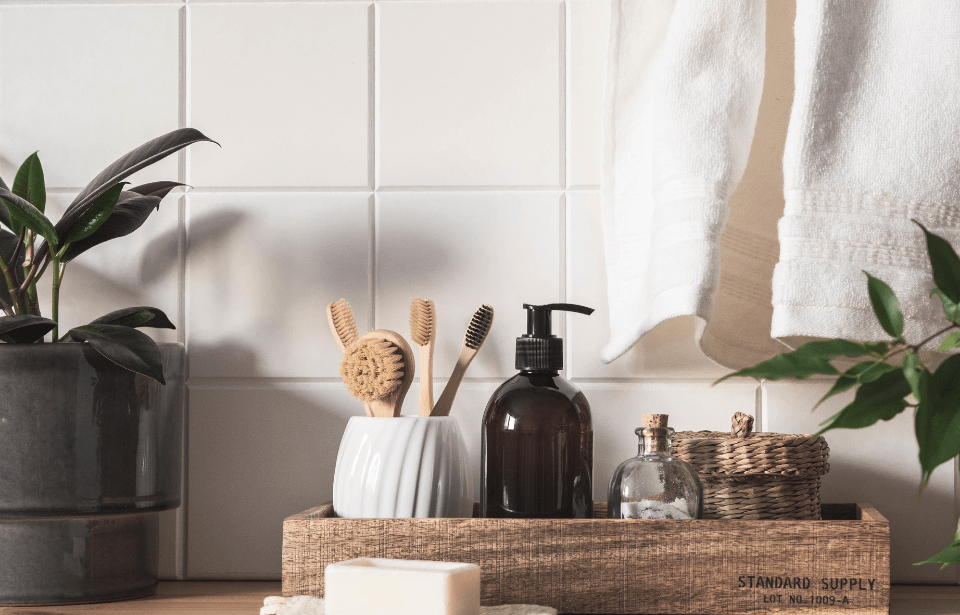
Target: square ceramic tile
(257, 456)
(470, 93)
(85, 85)
(261, 269)
(589, 23)
(142, 268)
(463, 250)
(617, 409)
(669, 351)
(284, 88)
(878, 465)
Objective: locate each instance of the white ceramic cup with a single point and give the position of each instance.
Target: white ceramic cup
(402, 467)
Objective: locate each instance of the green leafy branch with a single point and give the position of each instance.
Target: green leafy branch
(892, 377)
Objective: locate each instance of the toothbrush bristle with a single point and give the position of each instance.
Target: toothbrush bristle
(479, 327)
(344, 322)
(423, 321)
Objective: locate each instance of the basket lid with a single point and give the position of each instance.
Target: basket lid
(743, 452)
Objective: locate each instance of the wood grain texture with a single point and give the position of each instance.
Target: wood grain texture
(624, 566)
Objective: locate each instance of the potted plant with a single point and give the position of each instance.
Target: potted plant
(91, 421)
(892, 377)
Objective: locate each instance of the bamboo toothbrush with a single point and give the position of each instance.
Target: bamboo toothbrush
(476, 334)
(342, 323)
(378, 370)
(423, 330)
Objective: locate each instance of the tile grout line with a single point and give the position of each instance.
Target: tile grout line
(183, 118)
(564, 94)
(373, 101)
(374, 118)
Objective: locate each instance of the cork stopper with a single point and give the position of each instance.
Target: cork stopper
(742, 425)
(654, 420)
(655, 433)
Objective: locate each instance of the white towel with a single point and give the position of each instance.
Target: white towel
(683, 86)
(874, 140)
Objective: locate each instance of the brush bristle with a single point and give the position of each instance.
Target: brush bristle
(479, 327)
(372, 368)
(344, 322)
(423, 321)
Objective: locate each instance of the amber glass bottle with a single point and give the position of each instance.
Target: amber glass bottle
(537, 456)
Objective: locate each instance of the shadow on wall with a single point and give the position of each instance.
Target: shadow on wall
(257, 453)
(895, 497)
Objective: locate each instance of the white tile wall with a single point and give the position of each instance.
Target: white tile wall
(374, 150)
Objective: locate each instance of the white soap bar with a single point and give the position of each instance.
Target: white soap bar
(369, 586)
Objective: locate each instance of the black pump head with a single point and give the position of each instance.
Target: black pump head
(539, 349)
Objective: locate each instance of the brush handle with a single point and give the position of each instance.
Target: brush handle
(390, 404)
(445, 403)
(426, 379)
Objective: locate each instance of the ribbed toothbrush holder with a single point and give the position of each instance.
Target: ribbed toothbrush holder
(402, 467)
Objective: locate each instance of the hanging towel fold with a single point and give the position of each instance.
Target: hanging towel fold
(684, 82)
(874, 140)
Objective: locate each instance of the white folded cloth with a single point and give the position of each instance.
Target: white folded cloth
(684, 81)
(874, 140)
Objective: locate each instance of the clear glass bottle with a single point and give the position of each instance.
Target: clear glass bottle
(654, 485)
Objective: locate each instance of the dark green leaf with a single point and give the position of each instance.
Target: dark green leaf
(24, 328)
(858, 415)
(128, 348)
(885, 306)
(912, 372)
(879, 348)
(881, 399)
(811, 358)
(4, 214)
(938, 417)
(143, 156)
(136, 317)
(129, 215)
(157, 189)
(950, 342)
(29, 184)
(950, 309)
(861, 372)
(945, 264)
(29, 216)
(95, 215)
(949, 555)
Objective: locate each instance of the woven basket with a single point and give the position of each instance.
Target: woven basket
(755, 475)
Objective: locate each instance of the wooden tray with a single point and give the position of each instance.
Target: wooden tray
(838, 565)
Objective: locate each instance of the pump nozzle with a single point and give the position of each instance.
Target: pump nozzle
(539, 349)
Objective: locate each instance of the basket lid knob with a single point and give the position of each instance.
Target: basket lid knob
(654, 420)
(742, 425)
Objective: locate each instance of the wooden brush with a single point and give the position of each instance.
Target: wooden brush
(476, 334)
(378, 370)
(342, 323)
(423, 331)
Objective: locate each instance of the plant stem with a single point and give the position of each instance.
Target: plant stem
(918, 346)
(11, 284)
(55, 311)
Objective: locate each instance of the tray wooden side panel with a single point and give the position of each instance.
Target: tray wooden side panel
(613, 566)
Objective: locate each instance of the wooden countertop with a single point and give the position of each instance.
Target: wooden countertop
(246, 598)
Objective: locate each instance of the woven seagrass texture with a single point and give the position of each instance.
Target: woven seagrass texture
(623, 566)
(757, 476)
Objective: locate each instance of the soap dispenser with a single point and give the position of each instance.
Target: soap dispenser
(537, 451)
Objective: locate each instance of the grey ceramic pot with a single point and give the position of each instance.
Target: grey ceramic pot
(89, 455)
